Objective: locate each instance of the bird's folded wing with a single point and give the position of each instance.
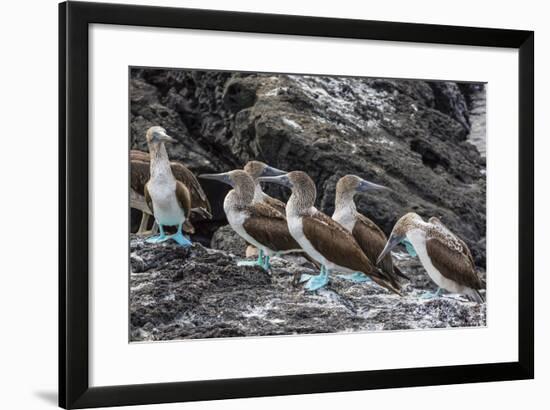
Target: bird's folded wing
(465, 250)
(183, 197)
(452, 263)
(138, 155)
(198, 196)
(275, 203)
(269, 227)
(372, 240)
(148, 198)
(336, 244)
(369, 236)
(139, 175)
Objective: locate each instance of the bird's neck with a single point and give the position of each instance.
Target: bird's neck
(300, 202)
(417, 237)
(240, 196)
(160, 163)
(258, 192)
(418, 230)
(344, 202)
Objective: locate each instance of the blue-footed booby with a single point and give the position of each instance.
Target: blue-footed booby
(321, 237)
(257, 169)
(257, 223)
(445, 257)
(140, 163)
(168, 198)
(368, 235)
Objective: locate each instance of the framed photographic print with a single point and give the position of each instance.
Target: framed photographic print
(255, 204)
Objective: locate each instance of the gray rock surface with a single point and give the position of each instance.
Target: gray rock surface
(412, 136)
(226, 239)
(198, 292)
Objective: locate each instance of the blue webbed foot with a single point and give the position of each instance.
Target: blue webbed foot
(315, 282)
(357, 277)
(258, 262)
(305, 277)
(266, 265)
(181, 239)
(431, 295)
(157, 239)
(161, 237)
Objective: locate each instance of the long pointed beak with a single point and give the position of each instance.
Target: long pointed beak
(365, 185)
(168, 138)
(280, 180)
(222, 177)
(272, 172)
(392, 243)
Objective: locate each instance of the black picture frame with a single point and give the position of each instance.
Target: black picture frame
(74, 387)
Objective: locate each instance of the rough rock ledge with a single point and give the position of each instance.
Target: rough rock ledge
(198, 292)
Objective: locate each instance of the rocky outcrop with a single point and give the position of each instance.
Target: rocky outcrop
(199, 292)
(412, 136)
(226, 239)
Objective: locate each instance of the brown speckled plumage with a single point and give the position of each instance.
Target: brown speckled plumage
(328, 237)
(368, 235)
(447, 252)
(264, 224)
(140, 174)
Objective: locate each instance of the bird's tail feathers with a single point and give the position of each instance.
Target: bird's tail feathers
(386, 281)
